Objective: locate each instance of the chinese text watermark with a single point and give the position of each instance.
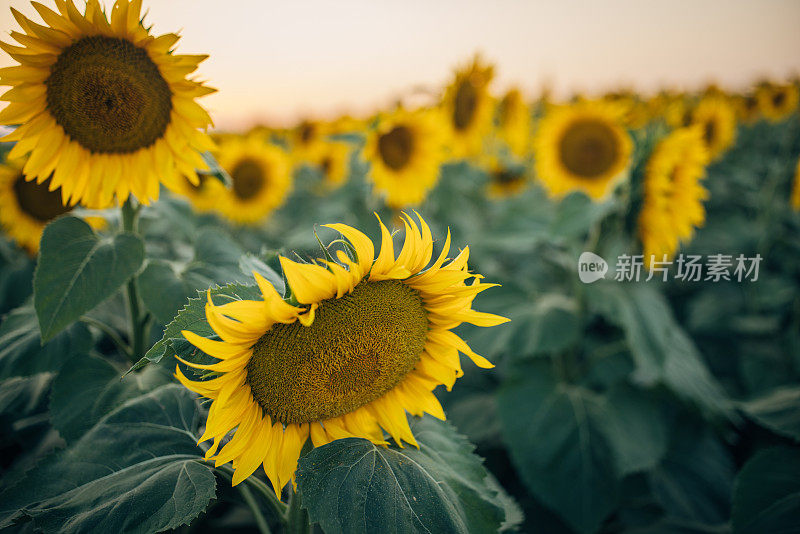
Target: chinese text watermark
(685, 267)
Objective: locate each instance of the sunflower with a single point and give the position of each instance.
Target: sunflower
(506, 179)
(582, 147)
(334, 164)
(514, 123)
(717, 120)
(261, 179)
(673, 196)
(104, 106)
(203, 195)
(405, 151)
(747, 108)
(468, 109)
(776, 102)
(307, 141)
(26, 206)
(678, 112)
(368, 341)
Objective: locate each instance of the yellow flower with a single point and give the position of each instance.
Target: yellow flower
(582, 147)
(747, 108)
(777, 102)
(334, 164)
(307, 141)
(673, 195)
(405, 151)
(514, 123)
(104, 106)
(26, 206)
(368, 341)
(717, 120)
(677, 111)
(261, 176)
(468, 109)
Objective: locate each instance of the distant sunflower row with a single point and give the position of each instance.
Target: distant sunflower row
(582, 145)
(104, 110)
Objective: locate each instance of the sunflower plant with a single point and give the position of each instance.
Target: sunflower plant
(379, 324)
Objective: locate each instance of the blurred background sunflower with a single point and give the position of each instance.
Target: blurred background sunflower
(582, 147)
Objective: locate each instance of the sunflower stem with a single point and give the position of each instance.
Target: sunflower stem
(247, 495)
(297, 517)
(277, 507)
(130, 223)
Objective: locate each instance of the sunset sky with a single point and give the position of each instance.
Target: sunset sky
(276, 62)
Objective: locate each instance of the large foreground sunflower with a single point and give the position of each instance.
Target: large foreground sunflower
(468, 109)
(776, 102)
(261, 176)
(582, 147)
(673, 195)
(369, 340)
(27, 206)
(717, 120)
(514, 123)
(102, 105)
(405, 152)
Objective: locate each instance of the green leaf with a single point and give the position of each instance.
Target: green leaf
(250, 263)
(779, 411)
(661, 350)
(555, 434)
(89, 387)
(576, 213)
(138, 470)
(22, 352)
(78, 270)
(166, 286)
(352, 486)
(694, 480)
(553, 326)
(766, 495)
(635, 428)
(476, 417)
(25, 432)
(193, 317)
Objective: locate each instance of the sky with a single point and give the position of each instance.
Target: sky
(279, 62)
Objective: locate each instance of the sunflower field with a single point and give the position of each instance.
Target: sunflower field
(488, 313)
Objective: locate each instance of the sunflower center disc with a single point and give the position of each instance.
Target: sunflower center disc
(396, 147)
(307, 132)
(506, 177)
(466, 100)
(589, 148)
(710, 132)
(358, 348)
(108, 95)
(778, 99)
(248, 178)
(326, 166)
(35, 200)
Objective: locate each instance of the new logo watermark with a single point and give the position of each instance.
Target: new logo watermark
(685, 267)
(591, 267)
